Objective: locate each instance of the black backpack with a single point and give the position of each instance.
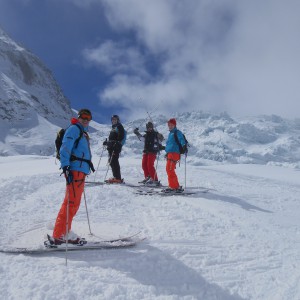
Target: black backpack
(60, 136)
(181, 149)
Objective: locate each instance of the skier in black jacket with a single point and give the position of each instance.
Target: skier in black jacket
(114, 147)
(152, 145)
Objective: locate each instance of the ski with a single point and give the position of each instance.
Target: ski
(125, 238)
(148, 190)
(95, 183)
(61, 248)
(184, 193)
(149, 186)
(92, 183)
(162, 193)
(126, 242)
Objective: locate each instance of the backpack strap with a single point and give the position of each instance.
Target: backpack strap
(73, 157)
(80, 135)
(177, 141)
(121, 132)
(89, 162)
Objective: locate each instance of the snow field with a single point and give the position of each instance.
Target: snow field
(239, 240)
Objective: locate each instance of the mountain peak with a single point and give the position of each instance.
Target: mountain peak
(29, 97)
(27, 85)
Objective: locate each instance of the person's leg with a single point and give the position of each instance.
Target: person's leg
(172, 159)
(151, 168)
(115, 166)
(145, 165)
(73, 196)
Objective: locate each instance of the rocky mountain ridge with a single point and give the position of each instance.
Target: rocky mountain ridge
(27, 87)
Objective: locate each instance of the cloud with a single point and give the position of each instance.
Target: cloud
(238, 56)
(82, 3)
(114, 58)
(263, 64)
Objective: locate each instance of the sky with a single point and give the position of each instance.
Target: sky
(133, 57)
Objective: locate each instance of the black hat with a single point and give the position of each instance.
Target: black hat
(149, 125)
(115, 117)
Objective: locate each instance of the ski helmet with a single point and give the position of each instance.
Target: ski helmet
(84, 111)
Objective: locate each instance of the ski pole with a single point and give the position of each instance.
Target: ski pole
(99, 163)
(155, 175)
(67, 222)
(145, 119)
(87, 213)
(108, 164)
(185, 171)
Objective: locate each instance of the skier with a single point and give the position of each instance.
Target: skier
(75, 158)
(173, 156)
(114, 147)
(152, 145)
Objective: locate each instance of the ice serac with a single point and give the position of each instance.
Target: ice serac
(29, 97)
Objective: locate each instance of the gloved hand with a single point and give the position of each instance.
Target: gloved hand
(136, 131)
(110, 144)
(105, 143)
(161, 147)
(68, 174)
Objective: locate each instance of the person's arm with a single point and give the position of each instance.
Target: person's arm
(71, 135)
(120, 133)
(138, 134)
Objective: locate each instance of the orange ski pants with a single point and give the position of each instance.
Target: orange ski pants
(148, 165)
(73, 196)
(172, 159)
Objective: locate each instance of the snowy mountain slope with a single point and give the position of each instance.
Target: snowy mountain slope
(28, 94)
(238, 241)
(213, 138)
(27, 84)
(220, 138)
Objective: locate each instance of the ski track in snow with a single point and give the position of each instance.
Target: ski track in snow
(240, 240)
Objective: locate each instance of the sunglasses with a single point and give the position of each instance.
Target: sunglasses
(85, 117)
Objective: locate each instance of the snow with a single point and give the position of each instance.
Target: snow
(7, 40)
(240, 240)
(27, 89)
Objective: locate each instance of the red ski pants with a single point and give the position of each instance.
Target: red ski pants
(148, 165)
(73, 196)
(172, 159)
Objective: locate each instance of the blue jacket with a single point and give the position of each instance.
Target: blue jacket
(171, 145)
(82, 150)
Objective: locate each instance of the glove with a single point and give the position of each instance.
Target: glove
(105, 143)
(185, 149)
(136, 131)
(110, 144)
(68, 174)
(161, 147)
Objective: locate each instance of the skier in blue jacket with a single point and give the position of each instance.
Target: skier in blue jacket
(75, 156)
(173, 155)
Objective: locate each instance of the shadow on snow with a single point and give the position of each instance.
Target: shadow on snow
(151, 266)
(230, 199)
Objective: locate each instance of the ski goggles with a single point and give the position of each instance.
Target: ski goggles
(85, 117)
